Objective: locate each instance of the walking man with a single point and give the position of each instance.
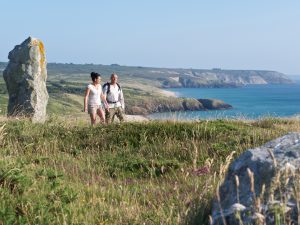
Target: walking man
(113, 94)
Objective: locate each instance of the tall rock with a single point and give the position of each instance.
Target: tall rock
(25, 77)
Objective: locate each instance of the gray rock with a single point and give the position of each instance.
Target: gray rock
(279, 177)
(214, 104)
(25, 77)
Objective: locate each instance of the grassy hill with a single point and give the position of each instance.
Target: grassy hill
(65, 172)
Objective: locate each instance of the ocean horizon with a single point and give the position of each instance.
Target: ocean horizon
(249, 102)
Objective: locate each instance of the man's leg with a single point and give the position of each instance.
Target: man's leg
(113, 117)
(119, 113)
(108, 116)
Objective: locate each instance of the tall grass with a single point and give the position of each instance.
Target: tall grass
(132, 173)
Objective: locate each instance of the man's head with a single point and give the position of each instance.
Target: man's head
(113, 78)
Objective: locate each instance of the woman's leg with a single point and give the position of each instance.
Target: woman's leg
(93, 118)
(101, 114)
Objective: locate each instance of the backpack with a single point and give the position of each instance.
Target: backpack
(108, 87)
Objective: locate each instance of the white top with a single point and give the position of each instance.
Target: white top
(94, 96)
(114, 97)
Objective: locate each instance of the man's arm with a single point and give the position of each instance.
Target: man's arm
(122, 99)
(104, 96)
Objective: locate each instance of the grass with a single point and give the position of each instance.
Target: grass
(131, 173)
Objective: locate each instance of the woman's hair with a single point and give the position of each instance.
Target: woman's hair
(94, 76)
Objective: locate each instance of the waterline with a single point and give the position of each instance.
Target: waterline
(249, 102)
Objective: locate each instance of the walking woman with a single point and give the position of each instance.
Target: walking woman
(92, 99)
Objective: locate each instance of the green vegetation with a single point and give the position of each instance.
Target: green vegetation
(66, 172)
(131, 173)
(66, 96)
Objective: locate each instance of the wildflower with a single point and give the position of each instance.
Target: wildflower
(210, 219)
(237, 182)
(273, 157)
(274, 202)
(251, 177)
(201, 171)
(287, 209)
(289, 168)
(258, 216)
(237, 207)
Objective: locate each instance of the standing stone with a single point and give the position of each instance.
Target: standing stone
(25, 77)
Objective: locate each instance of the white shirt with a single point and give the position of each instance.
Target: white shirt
(114, 97)
(94, 96)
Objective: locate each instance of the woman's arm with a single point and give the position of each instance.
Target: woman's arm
(103, 97)
(87, 92)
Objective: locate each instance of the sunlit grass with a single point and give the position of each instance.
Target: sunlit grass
(132, 173)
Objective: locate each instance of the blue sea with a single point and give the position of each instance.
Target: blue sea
(249, 102)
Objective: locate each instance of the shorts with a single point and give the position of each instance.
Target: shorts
(92, 109)
(110, 115)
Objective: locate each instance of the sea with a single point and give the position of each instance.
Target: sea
(249, 102)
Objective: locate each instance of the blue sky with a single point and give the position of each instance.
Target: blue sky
(256, 34)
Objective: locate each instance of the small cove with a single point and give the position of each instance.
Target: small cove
(249, 102)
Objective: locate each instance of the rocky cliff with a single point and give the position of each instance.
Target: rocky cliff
(224, 78)
(166, 77)
(171, 104)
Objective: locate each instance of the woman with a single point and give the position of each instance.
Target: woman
(92, 99)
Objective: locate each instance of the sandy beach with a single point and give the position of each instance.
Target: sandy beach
(135, 118)
(168, 93)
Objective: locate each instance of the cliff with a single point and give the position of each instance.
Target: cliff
(169, 78)
(144, 106)
(225, 78)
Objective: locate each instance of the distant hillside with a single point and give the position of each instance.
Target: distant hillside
(164, 77)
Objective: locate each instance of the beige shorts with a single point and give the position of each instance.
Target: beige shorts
(110, 115)
(92, 109)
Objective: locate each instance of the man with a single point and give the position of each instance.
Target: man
(115, 99)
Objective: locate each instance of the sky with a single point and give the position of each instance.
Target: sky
(227, 34)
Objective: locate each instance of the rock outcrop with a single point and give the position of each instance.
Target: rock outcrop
(25, 77)
(214, 104)
(171, 104)
(224, 78)
(262, 186)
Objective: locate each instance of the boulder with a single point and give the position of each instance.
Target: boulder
(262, 186)
(25, 77)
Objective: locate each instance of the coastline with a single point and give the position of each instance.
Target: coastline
(136, 118)
(168, 93)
